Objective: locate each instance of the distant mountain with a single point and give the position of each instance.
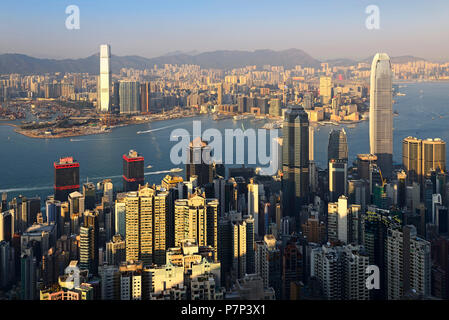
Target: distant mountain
(223, 59)
(400, 59)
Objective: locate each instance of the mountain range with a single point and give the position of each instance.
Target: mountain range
(222, 59)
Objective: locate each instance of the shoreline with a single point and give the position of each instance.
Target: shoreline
(33, 135)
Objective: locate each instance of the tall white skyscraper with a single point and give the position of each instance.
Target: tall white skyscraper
(105, 83)
(381, 112)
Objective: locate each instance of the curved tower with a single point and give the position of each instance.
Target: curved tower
(381, 113)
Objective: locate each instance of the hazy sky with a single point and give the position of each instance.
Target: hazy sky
(323, 28)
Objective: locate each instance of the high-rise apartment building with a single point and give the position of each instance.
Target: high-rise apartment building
(197, 218)
(381, 112)
(340, 271)
(408, 263)
(146, 212)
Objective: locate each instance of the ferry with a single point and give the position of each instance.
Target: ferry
(176, 170)
(399, 94)
(149, 166)
(239, 117)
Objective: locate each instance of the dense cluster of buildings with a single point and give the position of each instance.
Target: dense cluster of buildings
(230, 233)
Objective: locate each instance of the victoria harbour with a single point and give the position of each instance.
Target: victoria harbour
(27, 166)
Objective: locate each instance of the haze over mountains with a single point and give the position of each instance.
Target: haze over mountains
(223, 59)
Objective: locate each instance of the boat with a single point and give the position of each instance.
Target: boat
(149, 166)
(239, 117)
(400, 94)
(176, 170)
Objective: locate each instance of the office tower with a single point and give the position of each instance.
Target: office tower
(120, 216)
(434, 156)
(199, 162)
(116, 250)
(7, 270)
(364, 163)
(295, 160)
(341, 272)
(408, 263)
(146, 212)
(220, 94)
(4, 202)
(292, 267)
(381, 113)
(89, 193)
(421, 157)
(133, 171)
(6, 225)
(255, 190)
(268, 263)
(412, 158)
(129, 94)
(89, 237)
(325, 89)
(197, 218)
(275, 107)
(28, 275)
(67, 178)
(105, 79)
(76, 203)
(53, 210)
(338, 176)
(358, 192)
(145, 97)
(338, 146)
(116, 97)
(242, 104)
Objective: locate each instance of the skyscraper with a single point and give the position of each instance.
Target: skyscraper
(146, 212)
(337, 148)
(338, 176)
(133, 171)
(67, 178)
(326, 89)
(295, 160)
(129, 95)
(199, 162)
(145, 93)
(197, 218)
(105, 78)
(381, 113)
(420, 157)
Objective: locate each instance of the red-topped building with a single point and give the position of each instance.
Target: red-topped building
(67, 177)
(133, 171)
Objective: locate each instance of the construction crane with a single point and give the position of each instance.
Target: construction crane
(384, 181)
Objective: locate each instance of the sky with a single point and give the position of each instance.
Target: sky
(326, 29)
